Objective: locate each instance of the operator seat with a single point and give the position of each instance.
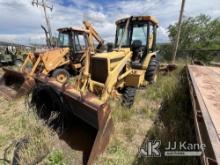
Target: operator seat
(136, 48)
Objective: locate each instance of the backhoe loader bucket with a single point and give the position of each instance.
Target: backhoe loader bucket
(14, 84)
(56, 103)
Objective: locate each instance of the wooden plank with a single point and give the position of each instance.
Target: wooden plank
(206, 83)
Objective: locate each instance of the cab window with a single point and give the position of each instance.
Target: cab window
(63, 40)
(80, 43)
(139, 33)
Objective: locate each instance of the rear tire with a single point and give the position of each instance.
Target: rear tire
(128, 96)
(151, 72)
(61, 75)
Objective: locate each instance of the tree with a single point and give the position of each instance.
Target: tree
(201, 32)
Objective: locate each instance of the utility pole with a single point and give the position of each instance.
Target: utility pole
(45, 6)
(176, 43)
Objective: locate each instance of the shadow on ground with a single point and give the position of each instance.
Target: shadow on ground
(80, 137)
(174, 122)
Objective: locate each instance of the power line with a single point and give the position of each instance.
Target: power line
(45, 6)
(176, 44)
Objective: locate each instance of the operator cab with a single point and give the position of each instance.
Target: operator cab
(138, 34)
(75, 39)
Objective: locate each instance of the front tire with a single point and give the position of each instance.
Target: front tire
(61, 75)
(151, 72)
(128, 96)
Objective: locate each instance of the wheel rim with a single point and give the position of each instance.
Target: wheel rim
(62, 78)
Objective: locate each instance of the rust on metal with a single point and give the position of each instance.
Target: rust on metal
(204, 83)
(167, 67)
(89, 109)
(14, 84)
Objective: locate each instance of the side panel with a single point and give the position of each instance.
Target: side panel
(135, 79)
(54, 58)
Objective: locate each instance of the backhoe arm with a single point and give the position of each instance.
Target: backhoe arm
(93, 34)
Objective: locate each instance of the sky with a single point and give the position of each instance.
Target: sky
(20, 21)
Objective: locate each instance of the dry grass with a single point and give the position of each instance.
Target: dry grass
(131, 126)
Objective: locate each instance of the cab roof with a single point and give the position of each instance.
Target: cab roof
(139, 18)
(66, 29)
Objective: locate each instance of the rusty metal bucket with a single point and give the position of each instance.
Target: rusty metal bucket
(14, 84)
(167, 67)
(49, 96)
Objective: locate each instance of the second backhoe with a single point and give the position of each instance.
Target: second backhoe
(60, 62)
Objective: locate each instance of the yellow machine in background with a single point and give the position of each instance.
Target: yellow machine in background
(59, 62)
(45, 61)
(130, 65)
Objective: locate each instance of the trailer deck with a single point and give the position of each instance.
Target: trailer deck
(204, 84)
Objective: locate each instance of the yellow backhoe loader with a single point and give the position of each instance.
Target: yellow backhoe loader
(57, 62)
(130, 65)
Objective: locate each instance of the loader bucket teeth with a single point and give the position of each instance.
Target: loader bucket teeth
(70, 107)
(14, 84)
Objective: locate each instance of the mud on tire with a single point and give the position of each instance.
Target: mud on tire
(128, 96)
